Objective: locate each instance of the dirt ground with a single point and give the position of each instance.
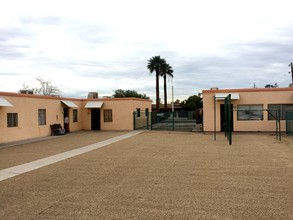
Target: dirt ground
(51, 146)
(153, 175)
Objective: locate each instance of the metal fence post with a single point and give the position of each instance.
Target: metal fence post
(134, 125)
(173, 126)
(147, 114)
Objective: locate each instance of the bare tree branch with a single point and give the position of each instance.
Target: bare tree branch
(46, 88)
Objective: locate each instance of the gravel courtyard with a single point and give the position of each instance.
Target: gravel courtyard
(153, 175)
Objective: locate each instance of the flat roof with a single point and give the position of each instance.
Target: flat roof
(13, 94)
(248, 90)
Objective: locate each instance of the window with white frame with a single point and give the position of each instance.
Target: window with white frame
(42, 116)
(249, 112)
(12, 120)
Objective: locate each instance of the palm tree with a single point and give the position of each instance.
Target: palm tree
(155, 64)
(166, 71)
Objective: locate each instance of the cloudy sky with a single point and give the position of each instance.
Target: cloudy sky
(103, 45)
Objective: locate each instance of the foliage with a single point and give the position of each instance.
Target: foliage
(155, 64)
(161, 68)
(166, 71)
(177, 102)
(120, 93)
(192, 103)
(271, 85)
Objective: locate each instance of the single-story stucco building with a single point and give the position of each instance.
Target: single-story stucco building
(25, 116)
(251, 108)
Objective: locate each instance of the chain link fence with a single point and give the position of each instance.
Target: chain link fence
(289, 123)
(169, 121)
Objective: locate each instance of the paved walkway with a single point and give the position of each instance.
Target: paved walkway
(17, 170)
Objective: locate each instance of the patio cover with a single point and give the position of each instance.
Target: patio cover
(222, 96)
(69, 104)
(4, 102)
(94, 104)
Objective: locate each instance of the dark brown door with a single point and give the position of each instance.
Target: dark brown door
(95, 119)
(222, 108)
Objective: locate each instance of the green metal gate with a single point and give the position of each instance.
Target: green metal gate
(289, 123)
(228, 118)
(142, 120)
(174, 121)
(169, 121)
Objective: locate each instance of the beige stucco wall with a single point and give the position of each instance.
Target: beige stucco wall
(247, 97)
(27, 108)
(122, 113)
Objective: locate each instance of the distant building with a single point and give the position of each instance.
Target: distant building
(177, 107)
(250, 108)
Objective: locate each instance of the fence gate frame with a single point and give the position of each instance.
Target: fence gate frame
(169, 121)
(145, 119)
(228, 118)
(289, 122)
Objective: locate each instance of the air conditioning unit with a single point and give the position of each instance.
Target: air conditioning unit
(26, 91)
(92, 95)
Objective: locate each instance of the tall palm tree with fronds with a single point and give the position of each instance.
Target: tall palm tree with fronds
(166, 71)
(155, 64)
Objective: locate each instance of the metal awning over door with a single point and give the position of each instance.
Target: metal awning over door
(69, 104)
(94, 104)
(4, 102)
(222, 96)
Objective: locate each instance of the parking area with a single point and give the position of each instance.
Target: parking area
(152, 175)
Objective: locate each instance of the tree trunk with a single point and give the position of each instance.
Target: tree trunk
(157, 92)
(165, 91)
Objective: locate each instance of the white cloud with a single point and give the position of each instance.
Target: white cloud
(102, 46)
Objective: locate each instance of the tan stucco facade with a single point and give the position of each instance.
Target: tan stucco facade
(27, 108)
(261, 97)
